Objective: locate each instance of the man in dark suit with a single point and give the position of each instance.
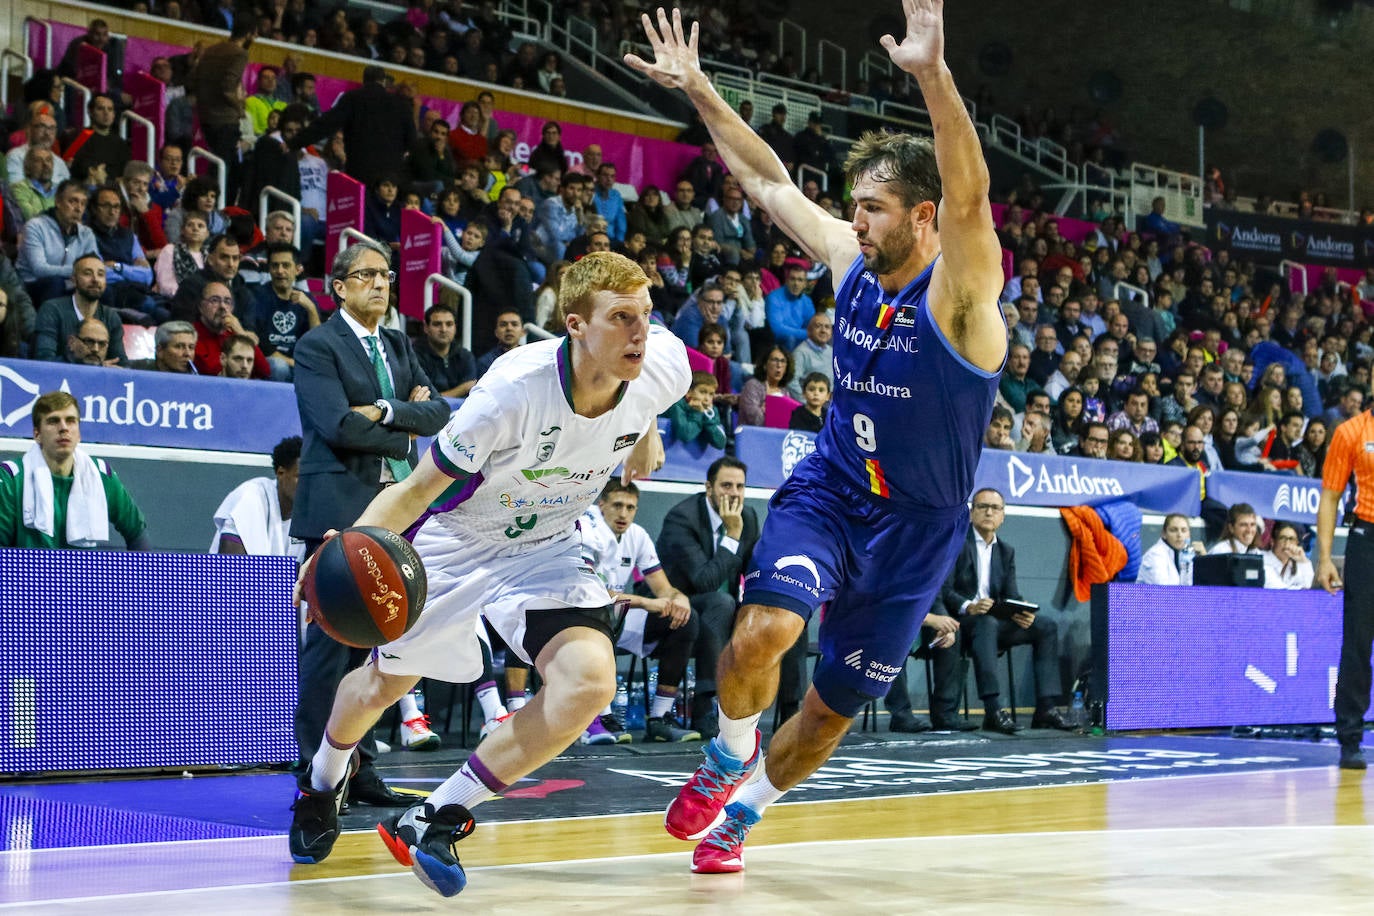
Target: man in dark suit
(984, 574)
(378, 128)
(939, 641)
(705, 546)
(362, 396)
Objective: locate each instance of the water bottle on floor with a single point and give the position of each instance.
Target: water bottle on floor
(622, 699)
(634, 714)
(1078, 713)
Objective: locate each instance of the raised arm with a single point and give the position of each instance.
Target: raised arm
(677, 65)
(968, 278)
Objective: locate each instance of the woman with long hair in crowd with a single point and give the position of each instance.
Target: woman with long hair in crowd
(675, 266)
(649, 216)
(1227, 428)
(1242, 531)
(1123, 446)
(177, 262)
(1167, 562)
(1267, 405)
(1285, 564)
(1068, 421)
(546, 298)
(200, 195)
(1151, 448)
(1204, 418)
(1311, 451)
(771, 376)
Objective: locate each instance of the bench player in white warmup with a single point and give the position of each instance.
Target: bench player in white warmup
(493, 506)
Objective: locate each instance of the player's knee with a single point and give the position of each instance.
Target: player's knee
(586, 690)
(764, 634)
(375, 690)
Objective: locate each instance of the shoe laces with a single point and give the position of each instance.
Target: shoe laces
(453, 819)
(419, 722)
(730, 834)
(715, 776)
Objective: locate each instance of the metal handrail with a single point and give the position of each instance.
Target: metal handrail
(804, 168)
(47, 46)
(533, 329)
(150, 147)
(1287, 268)
(7, 55)
(200, 152)
(349, 232)
(295, 205)
(783, 26)
(85, 94)
(873, 60)
(844, 60)
(464, 296)
(1130, 287)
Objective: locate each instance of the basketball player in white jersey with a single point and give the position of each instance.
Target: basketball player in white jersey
(493, 508)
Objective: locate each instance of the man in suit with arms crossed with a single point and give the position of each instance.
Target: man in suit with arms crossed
(984, 574)
(362, 396)
(705, 545)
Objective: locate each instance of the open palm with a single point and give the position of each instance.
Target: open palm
(675, 52)
(924, 42)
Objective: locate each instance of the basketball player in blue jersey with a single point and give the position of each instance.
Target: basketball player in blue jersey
(872, 521)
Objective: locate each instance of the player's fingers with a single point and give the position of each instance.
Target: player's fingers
(636, 62)
(650, 32)
(889, 43)
(677, 26)
(665, 28)
(692, 41)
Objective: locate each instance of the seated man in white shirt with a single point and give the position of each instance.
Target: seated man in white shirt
(255, 518)
(665, 629)
(1242, 532)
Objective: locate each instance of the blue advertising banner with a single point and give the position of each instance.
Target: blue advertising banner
(1279, 496)
(1051, 480)
(771, 454)
(1217, 657)
(128, 407)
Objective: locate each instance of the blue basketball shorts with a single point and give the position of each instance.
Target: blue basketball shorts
(878, 570)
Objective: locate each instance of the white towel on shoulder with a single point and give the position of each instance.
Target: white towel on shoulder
(88, 512)
(252, 511)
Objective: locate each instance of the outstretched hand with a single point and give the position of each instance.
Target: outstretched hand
(923, 46)
(676, 60)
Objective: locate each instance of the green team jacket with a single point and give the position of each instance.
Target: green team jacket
(689, 424)
(125, 517)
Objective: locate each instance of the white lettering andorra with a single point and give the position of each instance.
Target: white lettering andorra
(1077, 484)
(1331, 248)
(861, 338)
(123, 410)
(1255, 238)
(385, 596)
(871, 385)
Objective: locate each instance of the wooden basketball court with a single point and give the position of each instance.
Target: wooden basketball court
(1254, 840)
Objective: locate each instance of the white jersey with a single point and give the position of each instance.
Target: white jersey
(616, 560)
(532, 465)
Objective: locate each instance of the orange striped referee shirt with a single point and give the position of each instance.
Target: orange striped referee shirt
(1352, 451)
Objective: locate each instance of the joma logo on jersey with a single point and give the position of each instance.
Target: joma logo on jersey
(625, 441)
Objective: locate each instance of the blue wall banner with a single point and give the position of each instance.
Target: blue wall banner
(1280, 496)
(1051, 480)
(128, 407)
(771, 454)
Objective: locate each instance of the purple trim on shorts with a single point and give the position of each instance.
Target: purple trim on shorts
(479, 769)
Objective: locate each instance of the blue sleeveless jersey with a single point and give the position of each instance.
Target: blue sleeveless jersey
(909, 413)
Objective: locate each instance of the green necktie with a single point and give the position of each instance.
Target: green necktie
(400, 468)
(724, 586)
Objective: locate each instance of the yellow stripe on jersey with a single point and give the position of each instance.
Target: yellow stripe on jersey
(877, 483)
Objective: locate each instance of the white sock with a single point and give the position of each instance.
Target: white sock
(409, 708)
(737, 735)
(329, 765)
(758, 793)
(490, 698)
(462, 788)
(516, 702)
(607, 711)
(662, 704)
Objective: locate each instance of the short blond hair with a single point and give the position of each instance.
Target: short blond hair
(596, 272)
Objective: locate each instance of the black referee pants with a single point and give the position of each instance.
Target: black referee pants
(1357, 639)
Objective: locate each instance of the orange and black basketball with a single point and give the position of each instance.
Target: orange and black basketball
(365, 587)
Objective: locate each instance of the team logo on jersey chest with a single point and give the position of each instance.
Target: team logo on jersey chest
(625, 441)
(901, 317)
(548, 441)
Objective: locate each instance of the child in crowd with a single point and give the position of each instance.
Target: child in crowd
(809, 416)
(695, 417)
(730, 375)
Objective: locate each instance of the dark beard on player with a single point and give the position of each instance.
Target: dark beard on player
(889, 255)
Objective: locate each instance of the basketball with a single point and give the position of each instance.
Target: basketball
(365, 587)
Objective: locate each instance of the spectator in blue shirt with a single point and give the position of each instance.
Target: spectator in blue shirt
(282, 313)
(1158, 224)
(790, 308)
(557, 221)
(609, 203)
(53, 241)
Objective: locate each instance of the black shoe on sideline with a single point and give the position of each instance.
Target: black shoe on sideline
(1000, 722)
(367, 788)
(908, 725)
(1352, 758)
(1051, 718)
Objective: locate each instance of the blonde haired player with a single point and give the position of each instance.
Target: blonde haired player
(494, 507)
